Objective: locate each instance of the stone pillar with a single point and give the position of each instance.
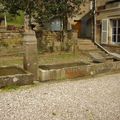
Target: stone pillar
(30, 53)
(75, 42)
(5, 18)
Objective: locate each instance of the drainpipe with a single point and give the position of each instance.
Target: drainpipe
(94, 34)
(94, 20)
(94, 27)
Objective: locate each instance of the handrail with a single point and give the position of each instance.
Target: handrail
(110, 53)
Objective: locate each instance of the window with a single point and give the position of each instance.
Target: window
(116, 31)
(56, 24)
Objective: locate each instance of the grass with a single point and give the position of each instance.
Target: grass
(47, 58)
(10, 87)
(58, 58)
(11, 60)
(16, 20)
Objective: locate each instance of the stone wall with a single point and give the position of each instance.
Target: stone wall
(10, 35)
(10, 39)
(53, 41)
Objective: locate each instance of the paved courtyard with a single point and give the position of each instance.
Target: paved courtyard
(90, 99)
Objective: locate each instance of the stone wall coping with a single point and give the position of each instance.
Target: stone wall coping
(10, 32)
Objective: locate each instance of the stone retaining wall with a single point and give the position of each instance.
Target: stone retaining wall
(11, 39)
(9, 35)
(51, 41)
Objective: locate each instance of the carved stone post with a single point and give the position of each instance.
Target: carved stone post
(30, 52)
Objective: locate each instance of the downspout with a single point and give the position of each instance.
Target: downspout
(94, 28)
(94, 34)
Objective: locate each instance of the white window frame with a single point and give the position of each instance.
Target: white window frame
(117, 27)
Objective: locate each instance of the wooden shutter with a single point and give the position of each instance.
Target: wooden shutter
(104, 37)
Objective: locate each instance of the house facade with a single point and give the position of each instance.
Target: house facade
(109, 17)
(82, 22)
(108, 25)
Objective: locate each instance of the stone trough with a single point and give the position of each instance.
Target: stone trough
(75, 70)
(14, 76)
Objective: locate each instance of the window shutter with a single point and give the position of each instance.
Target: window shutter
(104, 37)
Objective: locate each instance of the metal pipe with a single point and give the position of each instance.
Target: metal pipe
(94, 19)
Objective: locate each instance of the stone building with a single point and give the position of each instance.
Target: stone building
(108, 23)
(109, 19)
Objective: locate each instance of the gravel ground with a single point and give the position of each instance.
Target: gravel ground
(91, 99)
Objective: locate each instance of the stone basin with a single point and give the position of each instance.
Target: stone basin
(61, 71)
(75, 70)
(13, 75)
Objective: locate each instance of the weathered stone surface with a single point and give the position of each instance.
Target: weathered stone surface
(30, 54)
(113, 48)
(17, 77)
(97, 57)
(77, 71)
(9, 35)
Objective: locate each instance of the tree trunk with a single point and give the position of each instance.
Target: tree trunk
(65, 22)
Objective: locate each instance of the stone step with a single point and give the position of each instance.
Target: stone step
(100, 56)
(88, 47)
(92, 50)
(85, 42)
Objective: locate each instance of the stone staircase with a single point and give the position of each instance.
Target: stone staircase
(97, 55)
(86, 45)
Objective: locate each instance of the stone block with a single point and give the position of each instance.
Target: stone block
(14, 76)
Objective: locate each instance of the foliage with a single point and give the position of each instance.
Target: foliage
(57, 8)
(14, 6)
(17, 20)
(42, 10)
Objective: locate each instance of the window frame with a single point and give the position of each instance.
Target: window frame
(116, 27)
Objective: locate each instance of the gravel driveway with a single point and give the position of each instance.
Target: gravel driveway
(91, 99)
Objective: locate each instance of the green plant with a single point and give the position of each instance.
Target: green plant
(10, 87)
